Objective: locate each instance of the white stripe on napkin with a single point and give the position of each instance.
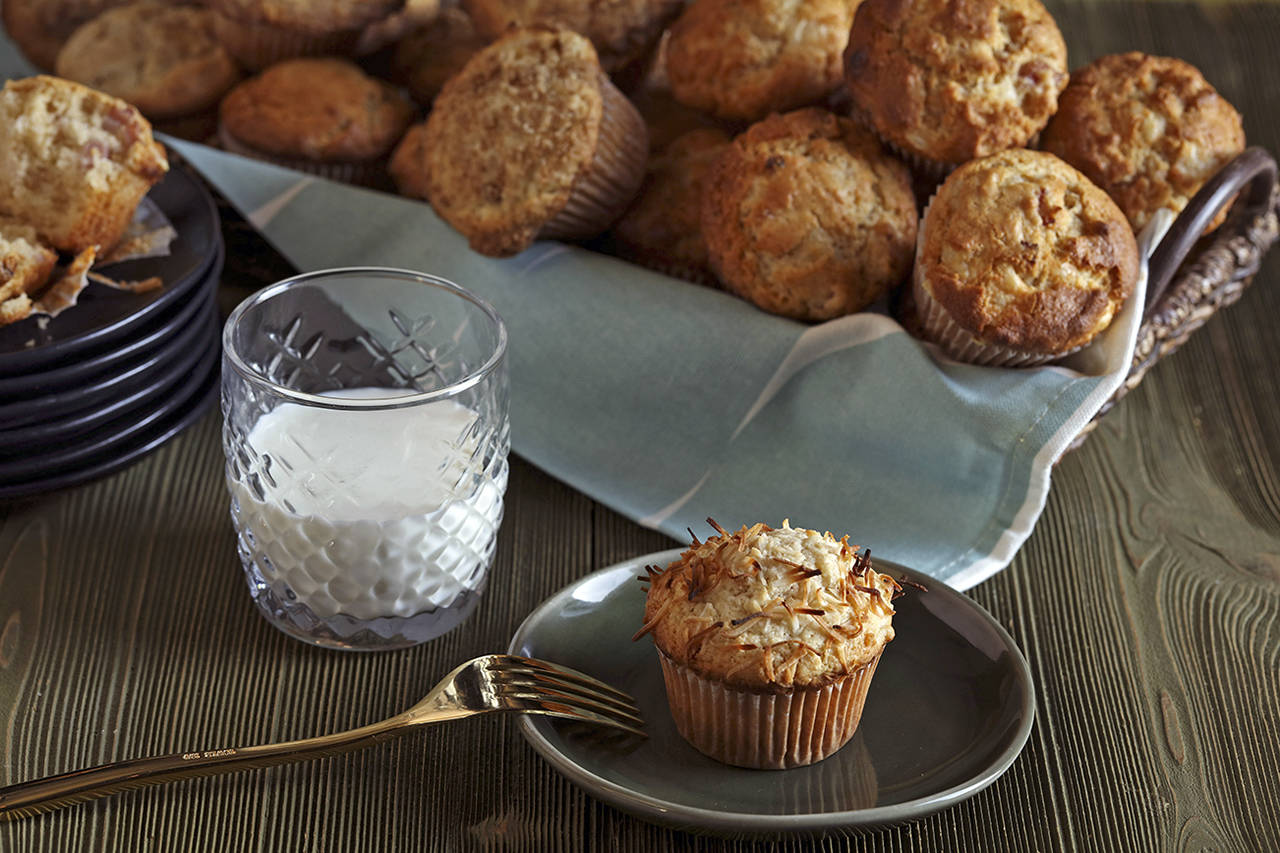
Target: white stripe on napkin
(270, 209)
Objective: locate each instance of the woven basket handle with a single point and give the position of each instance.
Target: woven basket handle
(1254, 170)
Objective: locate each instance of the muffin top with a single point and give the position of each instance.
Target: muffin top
(310, 16)
(41, 27)
(1024, 251)
(509, 135)
(770, 609)
(1150, 130)
(430, 55)
(951, 81)
(326, 110)
(806, 216)
(663, 226)
(743, 60)
(621, 30)
(163, 59)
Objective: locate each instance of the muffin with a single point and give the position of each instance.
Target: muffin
(768, 640)
(163, 59)
(529, 141)
(806, 216)
(40, 27)
(413, 15)
(622, 31)
(25, 267)
(430, 55)
(947, 82)
(74, 163)
(662, 229)
(743, 60)
(1021, 259)
(259, 33)
(1149, 130)
(322, 116)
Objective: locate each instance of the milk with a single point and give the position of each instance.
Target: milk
(373, 513)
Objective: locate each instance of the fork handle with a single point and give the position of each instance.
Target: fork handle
(42, 795)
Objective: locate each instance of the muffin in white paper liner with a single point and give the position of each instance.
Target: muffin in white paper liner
(765, 731)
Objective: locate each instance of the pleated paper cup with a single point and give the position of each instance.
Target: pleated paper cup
(765, 731)
(608, 184)
(256, 44)
(365, 173)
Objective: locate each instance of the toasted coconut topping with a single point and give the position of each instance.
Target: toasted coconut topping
(770, 608)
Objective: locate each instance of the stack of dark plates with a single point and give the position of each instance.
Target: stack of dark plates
(118, 374)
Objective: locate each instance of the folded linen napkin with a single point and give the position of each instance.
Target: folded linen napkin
(673, 403)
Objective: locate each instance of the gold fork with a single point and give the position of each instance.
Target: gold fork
(489, 683)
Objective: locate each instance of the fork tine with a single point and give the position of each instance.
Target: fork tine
(571, 675)
(535, 705)
(551, 683)
(524, 690)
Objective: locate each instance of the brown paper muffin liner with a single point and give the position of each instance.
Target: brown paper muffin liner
(605, 187)
(365, 173)
(256, 45)
(766, 731)
(936, 325)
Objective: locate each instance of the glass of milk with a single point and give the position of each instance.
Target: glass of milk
(366, 434)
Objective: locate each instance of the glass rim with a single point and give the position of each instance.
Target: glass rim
(471, 379)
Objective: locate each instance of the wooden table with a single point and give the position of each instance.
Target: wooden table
(1147, 602)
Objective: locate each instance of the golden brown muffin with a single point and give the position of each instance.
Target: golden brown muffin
(163, 59)
(622, 31)
(40, 27)
(25, 266)
(529, 141)
(663, 228)
(766, 631)
(74, 163)
(743, 60)
(806, 216)
(1149, 130)
(259, 33)
(430, 55)
(1022, 259)
(324, 116)
(946, 82)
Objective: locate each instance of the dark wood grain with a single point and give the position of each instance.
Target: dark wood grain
(1147, 602)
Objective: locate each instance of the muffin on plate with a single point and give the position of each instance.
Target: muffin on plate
(768, 640)
(25, 267)
(1150, 130)
(529, 141)
(806, 216)
(1021, 260)
(946, 82)
(261, 32)
(622, 31)
(663, 228)
(163, 59)
(324, 116)
(743, 60)
(427, 57)
(74, 163)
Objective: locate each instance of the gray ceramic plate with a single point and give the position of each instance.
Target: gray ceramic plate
(949, 710)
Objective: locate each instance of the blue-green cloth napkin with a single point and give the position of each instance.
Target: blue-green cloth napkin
(673, 403)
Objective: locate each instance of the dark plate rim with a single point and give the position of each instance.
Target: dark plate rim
(684, 817)
(18, 361)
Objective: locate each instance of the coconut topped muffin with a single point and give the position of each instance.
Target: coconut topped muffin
(1025, 254)
(947, 82)
(1150, 130)
(530, 140)
(768, 609)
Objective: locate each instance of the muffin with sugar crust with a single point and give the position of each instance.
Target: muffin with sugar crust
(945, 82)
(806, 216)
(529, 141)
(1150, 130)
(622, 31)
(1021, 260)
(768, 640)
(324, 116)
(743, 60)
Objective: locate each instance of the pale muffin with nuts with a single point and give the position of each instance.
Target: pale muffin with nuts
(768, 640)
(1150, 130)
